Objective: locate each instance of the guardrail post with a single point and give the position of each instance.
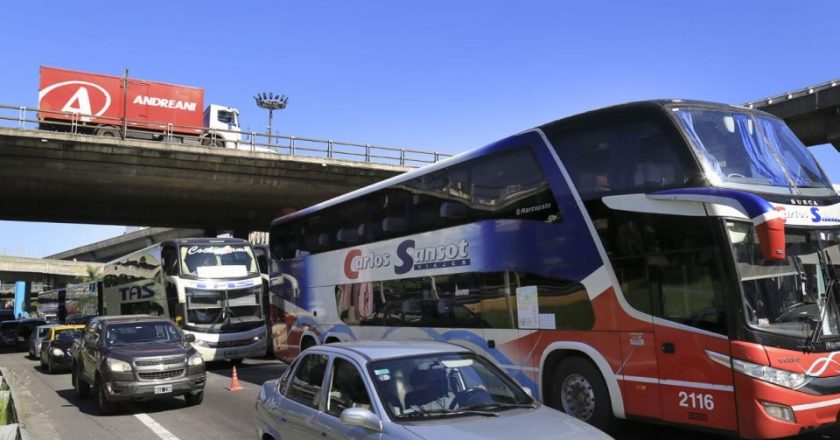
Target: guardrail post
(437, 156)
(329, 149)
(169, 133)
(292, 145)
(74, 123)
(367, 153)
(22, 117)
(402, 156)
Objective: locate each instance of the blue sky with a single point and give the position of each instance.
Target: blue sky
(436, 75)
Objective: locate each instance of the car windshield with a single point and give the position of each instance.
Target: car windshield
(745, 149)
(443, 385)
(218, 261)
(796, 296)
(74, 332)
(141, 333)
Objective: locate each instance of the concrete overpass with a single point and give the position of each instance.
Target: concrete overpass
(813, 113)
(40, 274)
(72, 178)
(112, 248)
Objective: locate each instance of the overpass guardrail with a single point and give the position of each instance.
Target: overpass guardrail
(29, 118)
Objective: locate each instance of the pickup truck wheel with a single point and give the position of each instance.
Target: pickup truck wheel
(194, 399)
(79, 384)
(103, 405)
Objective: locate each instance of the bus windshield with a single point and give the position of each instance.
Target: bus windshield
(745, 149)
(795, 296)
(218, 261)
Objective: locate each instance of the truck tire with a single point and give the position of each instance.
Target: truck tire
(194, 399)
(103, 406)
(578, 389)
(213, 142)
(79, 384)
(108, 131)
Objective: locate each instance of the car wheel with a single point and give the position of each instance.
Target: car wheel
(79, 384)
(579, 390)
(103, 405)
(194, 399)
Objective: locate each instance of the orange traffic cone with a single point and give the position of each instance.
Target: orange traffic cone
(234, 381)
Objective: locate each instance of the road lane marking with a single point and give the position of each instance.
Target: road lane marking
(156, 427)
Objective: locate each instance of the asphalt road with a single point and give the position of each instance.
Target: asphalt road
(52, 411)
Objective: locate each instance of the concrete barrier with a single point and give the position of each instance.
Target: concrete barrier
(10, 428)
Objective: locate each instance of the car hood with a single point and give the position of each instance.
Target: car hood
(148, 350)
(532, 424)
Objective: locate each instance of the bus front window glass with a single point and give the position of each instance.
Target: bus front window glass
(216, 261)
(790, 297)
(740, 148)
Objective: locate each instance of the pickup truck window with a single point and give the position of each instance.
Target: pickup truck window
(141, 333)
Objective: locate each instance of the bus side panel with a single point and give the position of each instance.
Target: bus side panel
(695, 390)
(638, 374)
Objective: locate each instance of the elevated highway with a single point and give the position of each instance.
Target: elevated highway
(73, 178)
(813, 113)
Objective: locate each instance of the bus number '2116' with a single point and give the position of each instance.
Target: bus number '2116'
(697, 401)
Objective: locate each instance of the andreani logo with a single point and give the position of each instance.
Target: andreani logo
(409, 257)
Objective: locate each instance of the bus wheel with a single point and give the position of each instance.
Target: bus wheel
(108, 131)
(306, 343)
(579, 390)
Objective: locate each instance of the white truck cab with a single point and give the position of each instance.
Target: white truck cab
(221, 125)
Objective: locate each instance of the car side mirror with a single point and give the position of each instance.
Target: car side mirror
(189, 337)
(361, 417)
(528, 392)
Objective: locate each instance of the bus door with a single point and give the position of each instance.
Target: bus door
(696, 388)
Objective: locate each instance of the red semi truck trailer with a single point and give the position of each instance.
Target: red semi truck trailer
(98, 104)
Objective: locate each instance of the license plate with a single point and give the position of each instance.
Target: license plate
(163, 389)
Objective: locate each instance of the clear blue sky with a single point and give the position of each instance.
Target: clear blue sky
(441, 75)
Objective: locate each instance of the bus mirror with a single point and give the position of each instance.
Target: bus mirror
(189, 337)
(453, 210)
(771, 239)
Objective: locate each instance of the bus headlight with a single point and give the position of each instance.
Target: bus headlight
(782, 378)
(118, 366)
(196, 360)
(57, 352)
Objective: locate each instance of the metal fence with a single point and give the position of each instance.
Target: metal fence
(27, 118)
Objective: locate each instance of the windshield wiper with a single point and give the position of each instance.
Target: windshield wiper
(420, 412)
(500, 405)
(830, 277)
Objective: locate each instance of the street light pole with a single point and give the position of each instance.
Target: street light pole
(271, 102)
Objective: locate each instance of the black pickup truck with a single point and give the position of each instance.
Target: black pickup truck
(136, 357)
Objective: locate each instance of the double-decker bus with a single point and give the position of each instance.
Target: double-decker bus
(210, 287)
(74, 300)
(669, 261)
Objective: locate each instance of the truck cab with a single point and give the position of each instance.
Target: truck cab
(221, 126)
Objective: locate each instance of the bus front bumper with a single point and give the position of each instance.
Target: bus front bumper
(211, 353)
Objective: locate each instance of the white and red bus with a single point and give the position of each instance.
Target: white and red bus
(668, 261)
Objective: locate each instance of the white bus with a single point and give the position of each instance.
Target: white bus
(211, 287)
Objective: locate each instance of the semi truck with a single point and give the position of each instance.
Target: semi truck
(103, 105)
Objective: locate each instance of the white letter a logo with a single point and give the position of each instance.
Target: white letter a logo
(79, 103)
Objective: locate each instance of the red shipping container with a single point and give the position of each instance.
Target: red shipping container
(98, 100)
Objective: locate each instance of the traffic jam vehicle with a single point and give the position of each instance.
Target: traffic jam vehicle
(136, 358)
(667, 261)
(404, 390)
(56, 348)
(211, 288)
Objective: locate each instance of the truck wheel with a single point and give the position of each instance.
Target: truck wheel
(79, 384)
(210, 142)
(194, 399)
(109, 132)
(579, 390)
(103, 405)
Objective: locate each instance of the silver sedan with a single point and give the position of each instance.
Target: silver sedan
(404, 390)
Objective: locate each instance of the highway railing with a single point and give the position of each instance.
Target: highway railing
(28, 118)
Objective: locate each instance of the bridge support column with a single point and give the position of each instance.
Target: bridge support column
(22, 298)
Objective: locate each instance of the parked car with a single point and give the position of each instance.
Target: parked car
(56, 352)
(24, 330)
(8, 333)
(136, 357)
(36, 338)
(404, 390)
